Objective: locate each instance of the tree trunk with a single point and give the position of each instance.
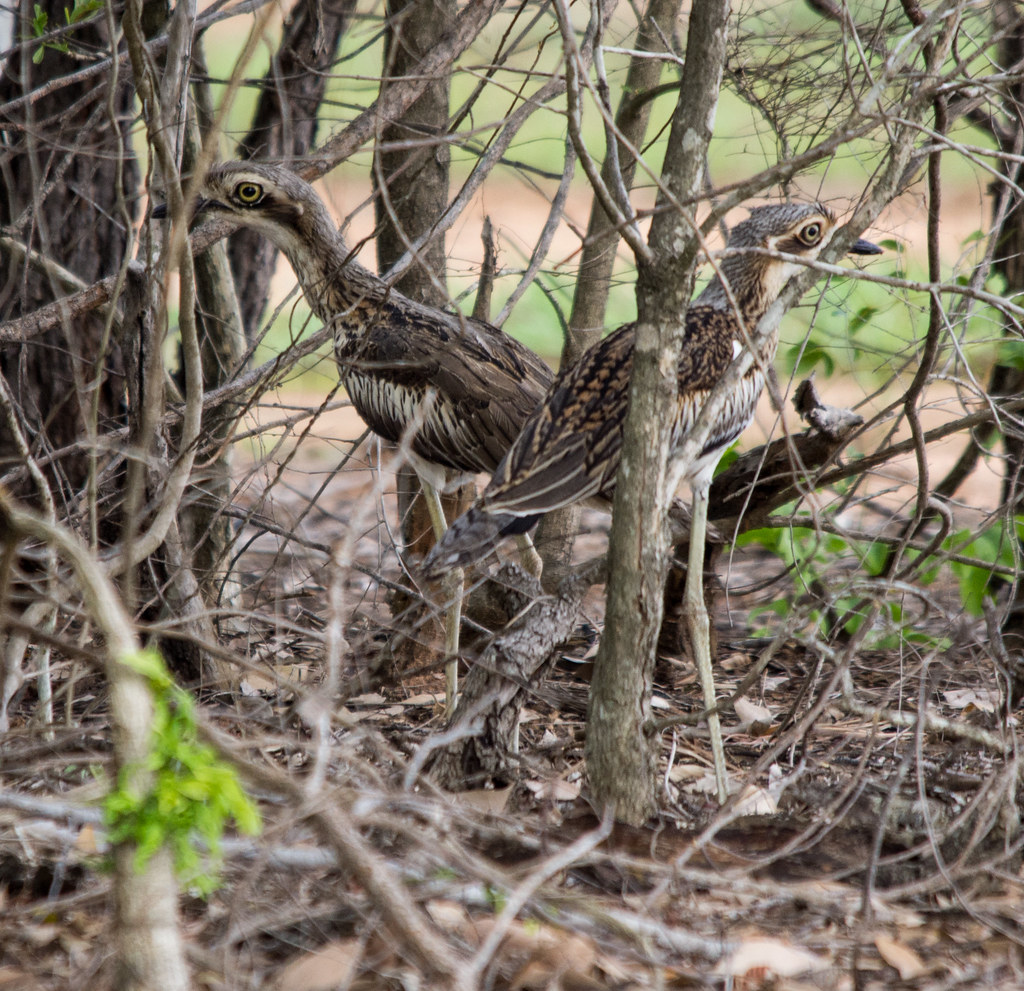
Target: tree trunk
(411, 183)
(205, 538)
(233, 279)
(621, 758)
(412, 192)
(1008, 380)
(557, 531)
(69, 179)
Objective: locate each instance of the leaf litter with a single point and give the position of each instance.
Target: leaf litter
(860, 852)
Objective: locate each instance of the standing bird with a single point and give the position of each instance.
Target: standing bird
(570, 448)
(455, 390)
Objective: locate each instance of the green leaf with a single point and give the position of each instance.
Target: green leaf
(82, 10)
(768, 537)
(150, 665)
(1011, 354)
(778, 608)
(812, 355)
(191, 793)
(993, 545)
(861, 318)
(731, 454)
(834, 544)
(875, 557)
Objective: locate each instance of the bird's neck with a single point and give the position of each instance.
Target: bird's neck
(754, 284)
(335, 285)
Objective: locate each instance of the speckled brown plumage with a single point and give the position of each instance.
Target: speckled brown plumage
(468, 386)
(570, 447)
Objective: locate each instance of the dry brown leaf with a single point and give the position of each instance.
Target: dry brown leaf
(255, 683)
(577, 952)
(770, 956)
(736, 661)
(534, 941)
(556, 789)
(553, 954)
(900, 957)
(449, 915)
(987, 700)
(756, 802)
(12, 979)
(85, 841)
(885, 911)
(686, 772)
(370, 698)
(42, 934)
(538, 976)
(618, 972)
(332, 966)
(302, 673)
(492, 800)
(424, 698)
(752, 717)
(704, 785)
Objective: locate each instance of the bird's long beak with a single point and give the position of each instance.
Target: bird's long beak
(860, 247)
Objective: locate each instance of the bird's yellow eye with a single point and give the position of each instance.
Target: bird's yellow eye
(811, 234)
(248, 193)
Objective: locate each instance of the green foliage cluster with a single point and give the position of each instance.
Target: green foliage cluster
(812, 557)
(876, 332)
(40, 20)
(190, 793)
(997, 546)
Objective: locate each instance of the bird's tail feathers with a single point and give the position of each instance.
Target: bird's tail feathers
(471, 538)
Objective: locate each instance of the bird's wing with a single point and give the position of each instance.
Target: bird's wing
(470, 385)
(569, 449)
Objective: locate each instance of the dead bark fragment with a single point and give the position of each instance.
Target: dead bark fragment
(761, 480)
(498, 684)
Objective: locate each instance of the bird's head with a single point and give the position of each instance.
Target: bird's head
(268, 198)
(801, 229)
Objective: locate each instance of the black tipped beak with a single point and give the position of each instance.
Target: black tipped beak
(862, 247)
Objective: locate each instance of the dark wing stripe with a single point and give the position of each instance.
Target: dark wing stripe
(545, 490)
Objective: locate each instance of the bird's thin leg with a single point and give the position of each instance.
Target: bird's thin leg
(528, 555)
(700, 638)
(451, 589)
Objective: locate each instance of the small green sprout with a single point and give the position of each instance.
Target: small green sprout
(191, 793)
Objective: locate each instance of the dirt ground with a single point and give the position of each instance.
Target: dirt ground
(866, 847)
